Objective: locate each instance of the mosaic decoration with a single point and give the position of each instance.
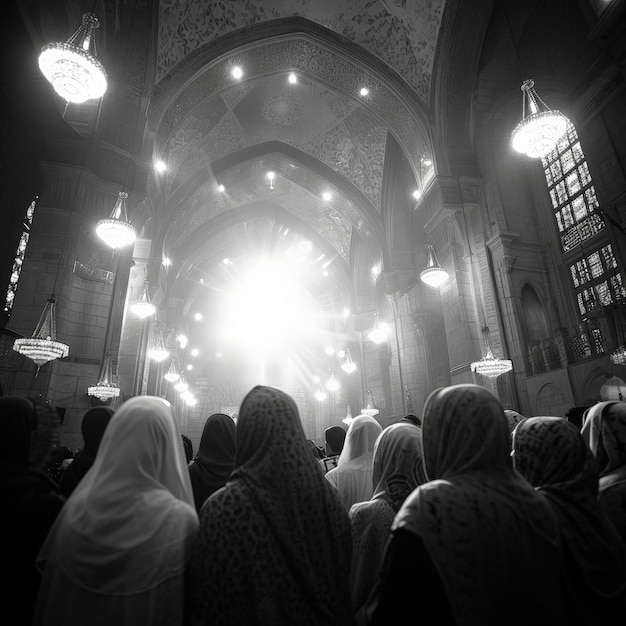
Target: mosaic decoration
(282, 109)
(402, 34)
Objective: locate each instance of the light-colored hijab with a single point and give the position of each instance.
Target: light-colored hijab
(104, 537)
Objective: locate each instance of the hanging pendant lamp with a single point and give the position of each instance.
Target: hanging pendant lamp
(116, 231)
(490, 366)
(434, 275)
(72, 67)
(540, 128)
(105, 389)
(172, 374)
(348, 365)
(159, 352)
(42, 346)
(143, 307)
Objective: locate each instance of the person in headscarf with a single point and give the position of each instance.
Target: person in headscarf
(334, 438)
(552, 455)
(604, 430)
(31, 502)
(92, 427)
(118, 550)
(213, 464)
(463, 544)
(274, 544)
(396, 472)
(188, 445)
(353, 475)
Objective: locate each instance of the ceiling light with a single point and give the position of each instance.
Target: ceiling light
(221, 188)
(327, 196)
(379, 332)
(182, 340)
(158, 352)
(72, 68)
(105, 389)
(181, 385)
(293, 79)
(143, 307)
(195, 352)
(434, 275)
(271, 176)
(42, 346)
(320, 394)
(540, 128)
(364, 91)
(197, 317)
(349, 365)
(116, 231)
(160, 167)
(172, 374)
(489, 366)
(332, 384)
(189, 367)
(236, 72)
(417, 194)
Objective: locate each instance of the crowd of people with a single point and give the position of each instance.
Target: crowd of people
(469, 514)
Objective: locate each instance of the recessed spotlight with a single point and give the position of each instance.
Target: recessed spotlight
(326, 196)
(364, 91)
(160, 166)
(221, 188)
(293, 79)
(166, 261)
(236, 72)
(195, 352)
(189, 367)
(197, 317)
(417, 194)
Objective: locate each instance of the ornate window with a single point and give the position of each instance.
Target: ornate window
(595, 275)
(19, 257)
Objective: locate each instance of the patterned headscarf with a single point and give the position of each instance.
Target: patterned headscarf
(551, 454)
(274, 544)
(396, 472)
(487, 531)
(215, 460)
(604, 430)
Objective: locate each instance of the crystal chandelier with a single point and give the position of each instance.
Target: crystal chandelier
(105, 389)
(370, 409)
(172, 374)
(181, 385)
(116, 231)
(159, 352)
(618, 356)
(489, 366)
(332, 384)
(143, 307)
(348, 418)
(42, 346)
(540, 128)
(348, 365)
(320, 394)
(379, 332)
(434, 275)
(72, 67)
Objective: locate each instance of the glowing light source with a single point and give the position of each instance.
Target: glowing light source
(320, 394)
(540, 128)
(72, 68)
(160, 167)
(489, 366)
(349, 365)
(618, 356)
(143, 307)
(42, 346)
(293, 79)
(158, 352)
(327, 196)
(434, 275)
(271, 176)
(105, 389)
(236, 72)
(364, 91)
(332, 384)
(116, 231)
(379, 332)
(221, 188)
(181, 385)
(172, 374)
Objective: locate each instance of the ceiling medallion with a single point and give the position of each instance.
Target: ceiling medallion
(282, 108)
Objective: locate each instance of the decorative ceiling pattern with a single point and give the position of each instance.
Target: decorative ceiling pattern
(402, 34)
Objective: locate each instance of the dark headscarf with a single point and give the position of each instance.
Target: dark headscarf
(335, 437)
(31, 501)
(93, 426)
(552, 455)
(215, 459)
(188, 447)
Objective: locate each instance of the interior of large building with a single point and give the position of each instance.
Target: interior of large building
(288, 177)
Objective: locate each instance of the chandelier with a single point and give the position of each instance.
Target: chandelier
(320, 394)
(370, 409)
(72, 67)
(42, 346)
(172, 374)
(159, 352)
(348, 418)
(143, 307)
(618, 356)
(379, 332)
(181, 385)
(540, 128)
(491, 367)
(104, 390)
(434, 275)
(116, 231)
(348, 366)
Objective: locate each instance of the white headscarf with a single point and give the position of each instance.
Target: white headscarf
(106, 538)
